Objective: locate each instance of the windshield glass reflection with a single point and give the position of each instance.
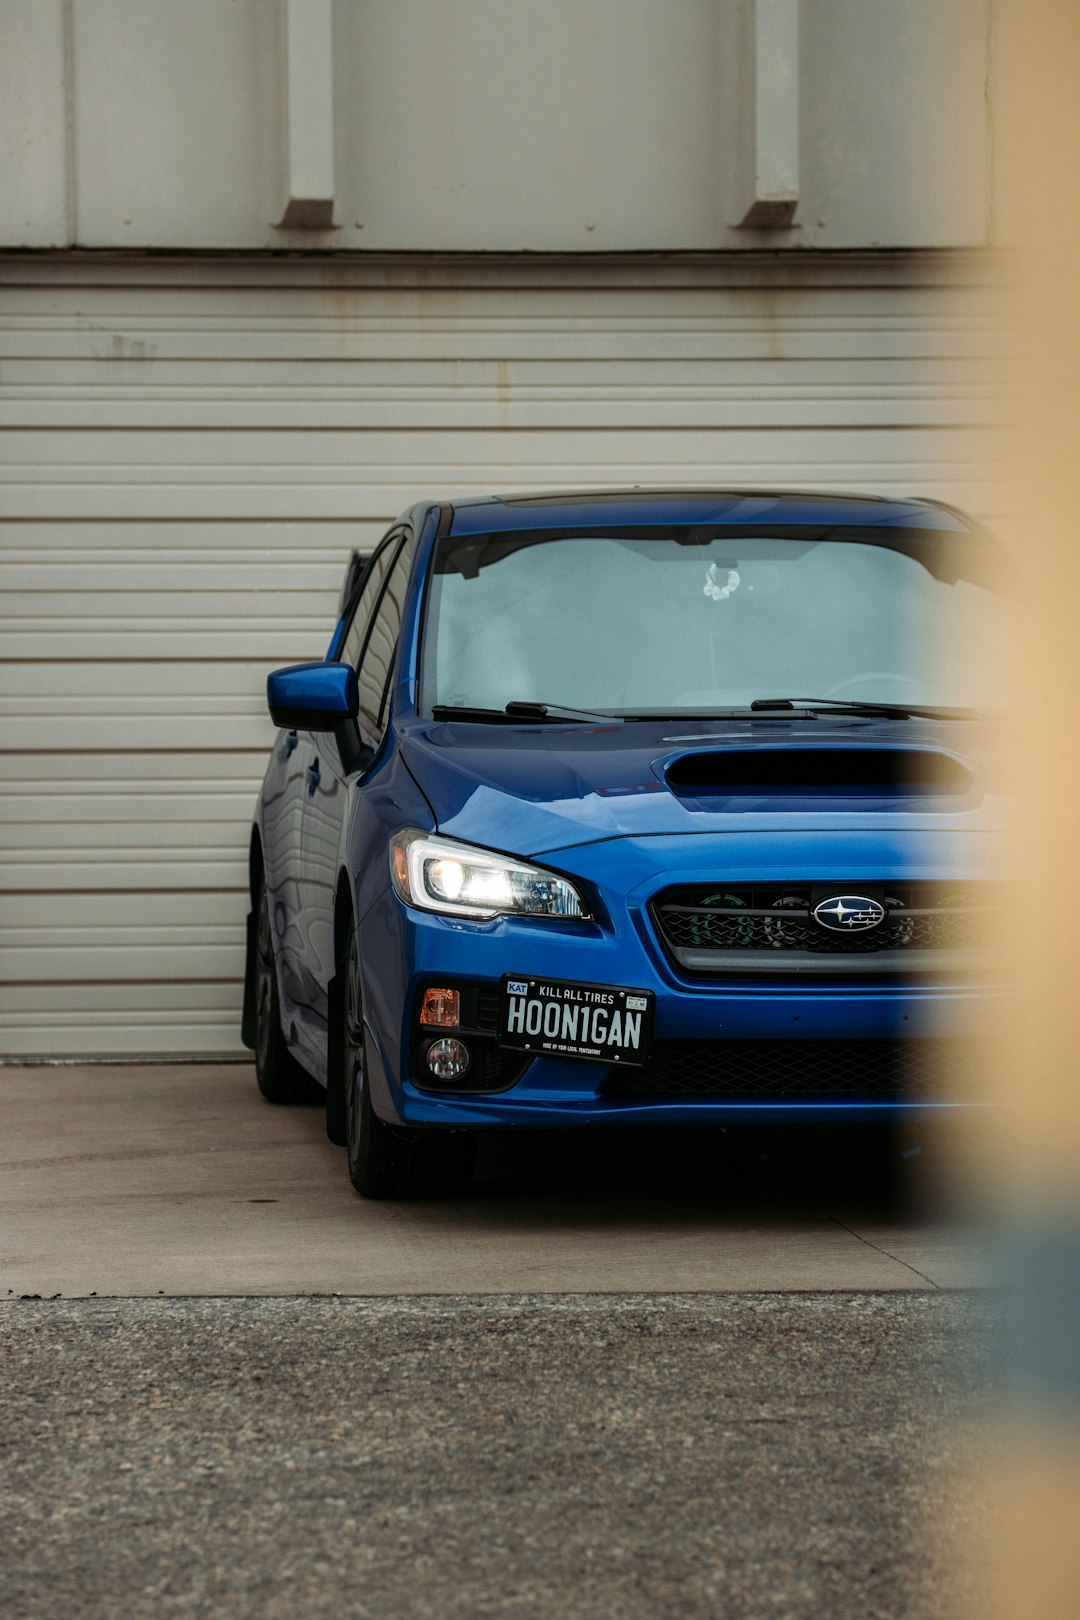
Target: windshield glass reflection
(635, 624)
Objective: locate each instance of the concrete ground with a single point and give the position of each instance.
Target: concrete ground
(179, 1180)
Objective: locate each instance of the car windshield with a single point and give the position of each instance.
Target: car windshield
(688, 622)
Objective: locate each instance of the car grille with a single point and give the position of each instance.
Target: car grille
(721, 927)
(800, 1070)
(487, 1007)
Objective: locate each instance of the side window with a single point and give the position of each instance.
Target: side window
(378, 655)
(357, 631)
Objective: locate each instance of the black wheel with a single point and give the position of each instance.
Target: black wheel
(384, 1160)
(280, 1078)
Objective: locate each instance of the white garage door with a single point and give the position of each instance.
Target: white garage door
(191, 449)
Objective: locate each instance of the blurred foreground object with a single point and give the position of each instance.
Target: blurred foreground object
(1034, 1145)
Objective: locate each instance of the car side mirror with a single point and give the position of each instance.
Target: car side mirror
(320, 697)
(312, 697)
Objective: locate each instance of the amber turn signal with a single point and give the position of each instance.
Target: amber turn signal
(441, 1007)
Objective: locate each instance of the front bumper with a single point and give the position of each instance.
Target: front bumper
(404, 949)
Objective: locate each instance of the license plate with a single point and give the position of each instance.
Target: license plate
(564, 1018)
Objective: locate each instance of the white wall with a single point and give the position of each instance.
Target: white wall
(33, 125)
(496, 125)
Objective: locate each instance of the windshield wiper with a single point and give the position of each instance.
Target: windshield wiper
(897, 711)
(518, 711)
(553, 711)
(521, 711)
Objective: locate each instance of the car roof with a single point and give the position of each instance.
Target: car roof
(627, 507)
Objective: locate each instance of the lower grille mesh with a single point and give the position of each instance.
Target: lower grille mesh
(802, 1070)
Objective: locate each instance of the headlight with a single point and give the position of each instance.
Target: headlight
(439, 874)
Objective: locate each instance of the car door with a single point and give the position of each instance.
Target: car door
(365, 646)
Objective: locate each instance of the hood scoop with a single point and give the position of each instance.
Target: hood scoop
(819, 777)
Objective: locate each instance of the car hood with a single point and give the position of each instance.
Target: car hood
(530, 789)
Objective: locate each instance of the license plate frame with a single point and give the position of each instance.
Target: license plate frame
(579, 1002)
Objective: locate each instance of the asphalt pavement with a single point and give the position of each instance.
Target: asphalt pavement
(758, 1457)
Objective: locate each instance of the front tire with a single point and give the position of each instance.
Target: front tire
(277, 1073)
(386, 1161)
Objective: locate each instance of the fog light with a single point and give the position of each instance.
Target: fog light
(448, 1059)
(441, 1007)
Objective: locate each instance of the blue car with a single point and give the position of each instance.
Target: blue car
(632, 807)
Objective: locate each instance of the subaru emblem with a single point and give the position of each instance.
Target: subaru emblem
(849, 913)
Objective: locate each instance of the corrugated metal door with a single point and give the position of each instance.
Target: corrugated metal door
(193, 448)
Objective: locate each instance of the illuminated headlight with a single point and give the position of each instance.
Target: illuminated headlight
(439, 874)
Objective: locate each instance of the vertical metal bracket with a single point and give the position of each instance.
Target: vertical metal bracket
(308, 111)
(772, 124)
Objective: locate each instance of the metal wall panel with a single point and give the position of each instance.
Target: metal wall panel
(192, 447)
(586, 126)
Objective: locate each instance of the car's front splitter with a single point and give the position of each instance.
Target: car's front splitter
(531, 1105)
